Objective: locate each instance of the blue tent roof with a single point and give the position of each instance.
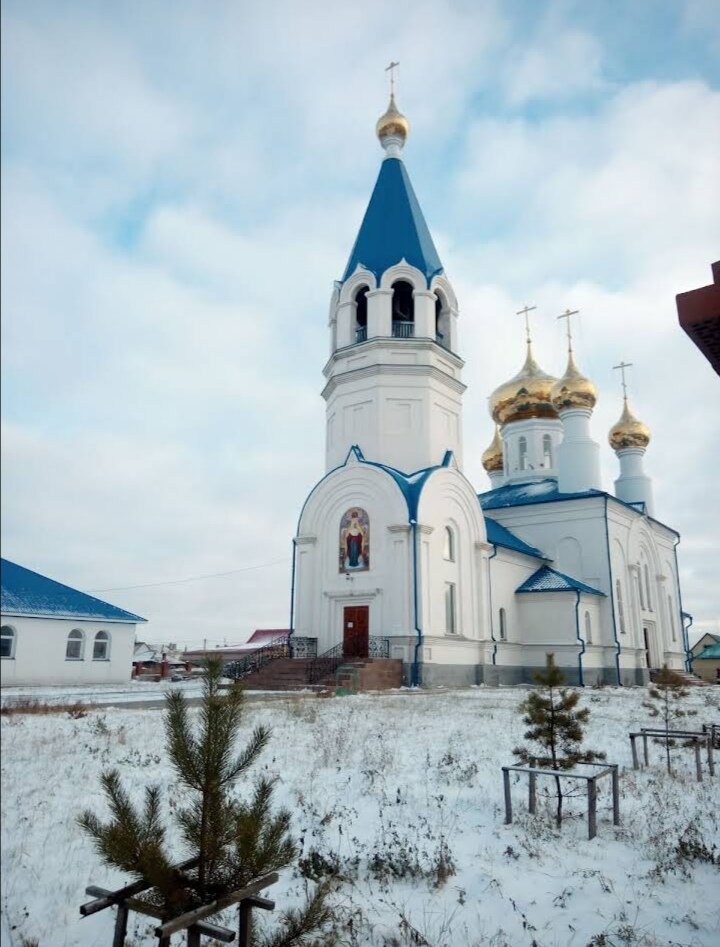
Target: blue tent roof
(25, 592)
(498, 535)
(549, 580)
(393, 228)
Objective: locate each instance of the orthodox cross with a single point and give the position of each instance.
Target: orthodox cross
(622, 366)
(391, 69)
(566, 315)
(524, 312)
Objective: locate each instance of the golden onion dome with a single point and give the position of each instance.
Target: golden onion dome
(573, 390)
(492, 458)
(628, 432)
(527, 395)
(392, 124)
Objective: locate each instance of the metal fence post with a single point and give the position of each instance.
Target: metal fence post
(710, 756)
(698, 760)
(532, 796)
(508, 800)
(616, 795)
(193, 937)
(592, 807)
(633, 746)
(645, 749)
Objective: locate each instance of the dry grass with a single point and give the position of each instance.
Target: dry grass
(28, 705)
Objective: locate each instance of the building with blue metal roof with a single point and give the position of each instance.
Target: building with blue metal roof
(395, 545)
(55, 634)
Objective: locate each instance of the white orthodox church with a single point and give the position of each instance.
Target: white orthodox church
(395, 546)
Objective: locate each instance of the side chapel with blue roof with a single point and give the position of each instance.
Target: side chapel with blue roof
(396, 552)
(54, 634)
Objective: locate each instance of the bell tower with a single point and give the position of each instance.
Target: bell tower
(393, 379)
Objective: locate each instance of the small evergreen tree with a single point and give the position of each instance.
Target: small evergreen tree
(556, 728)
(667, 690)
(233, 841)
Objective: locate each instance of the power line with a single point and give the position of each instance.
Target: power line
(192, 578)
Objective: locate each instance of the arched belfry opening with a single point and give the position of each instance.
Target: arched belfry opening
(442, 321)
(403, 310)
(361, 310)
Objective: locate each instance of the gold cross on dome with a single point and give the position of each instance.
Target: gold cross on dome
(566, 315)
(524, 312)
(622, 366)
(391, 69)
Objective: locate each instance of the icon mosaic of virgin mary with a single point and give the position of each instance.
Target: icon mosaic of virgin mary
(354, 541)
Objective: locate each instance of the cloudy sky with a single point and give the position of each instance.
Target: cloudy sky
(183, 182)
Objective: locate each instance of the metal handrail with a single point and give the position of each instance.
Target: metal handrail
(250, 663)
(361, 334)
(403, 330)
(325, 664)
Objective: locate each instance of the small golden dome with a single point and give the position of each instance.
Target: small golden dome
(492, 458)
(527, 395)
(628, 432)
(573, 390)
(392, 124)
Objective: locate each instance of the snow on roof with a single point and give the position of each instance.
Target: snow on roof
(550, 580)
(393, 228)
(25, 592)
(498, 535)
(520, 494)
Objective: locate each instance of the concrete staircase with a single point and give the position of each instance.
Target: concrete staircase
(290, 674)
(688, 679)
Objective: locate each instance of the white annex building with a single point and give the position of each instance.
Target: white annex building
(396, 553)
(53, 634)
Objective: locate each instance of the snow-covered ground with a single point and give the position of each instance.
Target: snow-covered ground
(403, 791)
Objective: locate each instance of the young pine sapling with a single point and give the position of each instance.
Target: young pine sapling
(232, 841)
(556, 728)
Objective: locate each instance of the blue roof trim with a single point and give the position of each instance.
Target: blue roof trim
(498, 535)
(409, 484)
(25, 592)
(550, 580)
(546, 491)
(393, 228)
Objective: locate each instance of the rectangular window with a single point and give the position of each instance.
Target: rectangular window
(450, 609)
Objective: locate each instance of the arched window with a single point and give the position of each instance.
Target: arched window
(403, 310)
(449, 550)
(442, 322)
(450, 608)
(621, 610)
(547, 451)
(671, 616)
(101, 646)
(522, 451)
(588, 628)
(502, 630)
(640, 589)
(646, 572)
(7, 641)
(361, 314)
(75, 645)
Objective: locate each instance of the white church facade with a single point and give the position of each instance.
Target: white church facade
(395, 545)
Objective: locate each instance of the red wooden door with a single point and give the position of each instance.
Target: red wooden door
(356, 631)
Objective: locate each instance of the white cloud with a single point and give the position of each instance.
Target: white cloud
(179, 193)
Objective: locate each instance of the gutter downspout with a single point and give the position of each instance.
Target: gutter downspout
(689, 656)
(612, 597)
(492, 633)
(686, 630)
(581, 640)
(292, 593)
(416, 674)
